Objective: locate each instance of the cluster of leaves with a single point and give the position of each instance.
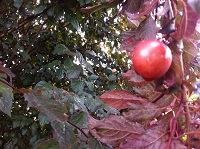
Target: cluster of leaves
(59, 56)
(163, 113)
(55, 60)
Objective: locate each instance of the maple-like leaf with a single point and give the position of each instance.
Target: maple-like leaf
(113, 129)
(120, 99)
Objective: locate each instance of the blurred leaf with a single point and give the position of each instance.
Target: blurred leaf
(77, 85)
(79, 119)
(52, 108)
(75, 23)
(132, 6)
(120, 99)
(86, 65)
(61, 49)
(94, 143)
(188, 22)
(113, 129)
(48, 144)
(129, 44)
(18, 3)
(39, 9)
(6, 98)
(43, 84)
(7, 71)
(195, 5)
(43, 119)
(109, 4)
(25, 55)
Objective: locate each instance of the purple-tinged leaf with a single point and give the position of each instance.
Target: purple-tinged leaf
(132, 6)
(188, 22)
(142, 112)
(154, 138)
(195, 5)
(50, 107)
(134, 78)
(120, 99)
(148, 91)
(147, 8)
(7, 71)
(165, 100)
(147, 29)
(129, 44)
(6, 98)
(113, 129)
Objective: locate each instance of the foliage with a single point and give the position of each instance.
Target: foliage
(66, 79)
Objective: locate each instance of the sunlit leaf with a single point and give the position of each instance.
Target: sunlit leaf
(120, 99)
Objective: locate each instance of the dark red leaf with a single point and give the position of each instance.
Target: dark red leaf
(147, 29)
(129, 44)
(120, 99)
(147, 8)
(153, 138)
(148, 91)
(134, 78)
(165, 100)
(143, 112)
(113, 129)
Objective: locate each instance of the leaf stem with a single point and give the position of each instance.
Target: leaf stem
(78, 129)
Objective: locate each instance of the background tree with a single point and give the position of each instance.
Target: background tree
(59, 57)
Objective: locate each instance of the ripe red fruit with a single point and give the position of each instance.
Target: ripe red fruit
(151, 59)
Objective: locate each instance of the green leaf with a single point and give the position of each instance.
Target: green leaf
(43, 119)
(73, 71)
(94, 143)
(77, 85)
(6, 98)
(45, 104)
(25, 55)
(43, 84)
(39, 9)
(18, 3)
(75, 23)
(65, 135)
(79, 119)
(61, 49)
